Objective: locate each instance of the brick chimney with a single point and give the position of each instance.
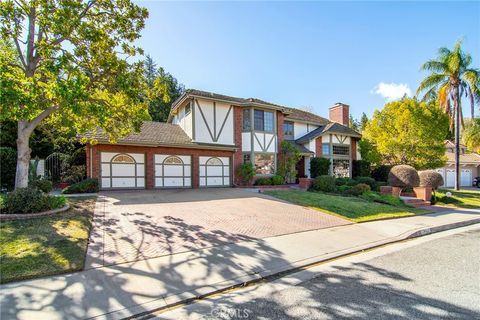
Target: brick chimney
(340, 113)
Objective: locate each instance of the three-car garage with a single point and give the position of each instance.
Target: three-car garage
(128, 170)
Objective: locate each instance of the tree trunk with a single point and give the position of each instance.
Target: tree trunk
(23, 155)
(457, 106)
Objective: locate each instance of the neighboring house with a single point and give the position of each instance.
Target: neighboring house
(469, 166)
(208, 135)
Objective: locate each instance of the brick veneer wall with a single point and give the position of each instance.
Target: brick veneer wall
(318, 147)
(353, 147)
(280, 136)
(237, 129)
(149, 159)
(340, 113)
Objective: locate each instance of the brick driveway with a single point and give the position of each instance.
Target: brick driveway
(136, 225)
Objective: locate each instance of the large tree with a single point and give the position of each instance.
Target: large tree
(451, 77)
(409, 132)
(164, 89)
(68, 63)
(471, 135)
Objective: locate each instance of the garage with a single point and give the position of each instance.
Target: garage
(214, 171)
(122, 170)
(173, 171)
(466, 178)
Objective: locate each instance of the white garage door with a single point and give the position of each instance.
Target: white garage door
(466, 178)
(214, 171)
(450, 178)
(173, 171)
(124, 170)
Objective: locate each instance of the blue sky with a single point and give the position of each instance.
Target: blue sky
(307, 54)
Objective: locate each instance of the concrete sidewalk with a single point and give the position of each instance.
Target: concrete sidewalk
(132, 288)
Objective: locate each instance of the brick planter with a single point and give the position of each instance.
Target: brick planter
(23, 216)
(424, 193)
(386, 190)
(396, 191)
(305, 183)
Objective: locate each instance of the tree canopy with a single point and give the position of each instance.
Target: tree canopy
(471, 135)
(408, 132)
(69, 63)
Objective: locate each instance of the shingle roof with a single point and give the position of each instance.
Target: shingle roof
(332, 127)
(302, 149)
(154, 134)
(464, 158)
(301, 115)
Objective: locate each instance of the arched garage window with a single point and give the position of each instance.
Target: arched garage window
(123, 158)
(172, 160)
(214, 162)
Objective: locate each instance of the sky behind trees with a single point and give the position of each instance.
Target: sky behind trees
(309, 54)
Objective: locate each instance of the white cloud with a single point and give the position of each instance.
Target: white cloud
(392, 91)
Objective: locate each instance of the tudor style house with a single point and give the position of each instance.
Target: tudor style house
(208, 135)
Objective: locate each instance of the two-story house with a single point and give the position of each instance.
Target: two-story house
(469, 166)
(208, 135)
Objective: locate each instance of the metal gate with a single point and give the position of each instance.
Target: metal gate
(55, 166)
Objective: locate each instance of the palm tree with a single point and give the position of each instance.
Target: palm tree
(452, 77)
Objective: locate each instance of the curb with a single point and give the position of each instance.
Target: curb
(174, 300)
(25, 216)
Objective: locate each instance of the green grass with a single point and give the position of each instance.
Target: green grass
(48, 245)
(352, 208)
(469, 199)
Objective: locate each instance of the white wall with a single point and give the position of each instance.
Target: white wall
(206, 129)
(300, 129)
(264, 142)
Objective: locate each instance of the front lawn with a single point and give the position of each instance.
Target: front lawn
(469, 199)
(351, 208)
(48, 245)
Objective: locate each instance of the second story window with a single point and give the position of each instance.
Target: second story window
(187, 109)
(341, 150)
(246, 120)
(263, 121)
(288, 130)
(325, 149)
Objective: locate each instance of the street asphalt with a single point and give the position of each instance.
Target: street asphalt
(431, 278)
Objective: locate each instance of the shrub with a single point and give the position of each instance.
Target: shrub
(380, 173)
(42, 184)
(75, 174)
(277, 179)
(85, 186)
(31, 200)
(345, 181)
(344, 188)
(319, 167)
(263, 182)
(403, 176)
(379, 184)
(8, 160)
(324, 183)
(360, 168)
(358, 189)
(246, 172)
(430, 178)
(367, 180)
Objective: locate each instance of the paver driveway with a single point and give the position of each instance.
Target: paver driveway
(135, 225)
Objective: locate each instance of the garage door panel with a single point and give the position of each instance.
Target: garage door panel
(214, 181)
(466, 177)
(214, 171)
(123, 170)
(106, 183)
(123, 182)
(105, 169)
(226, 171)
(172, 171)
(226, 181)
(141, 182)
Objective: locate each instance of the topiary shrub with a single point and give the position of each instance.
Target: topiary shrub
(430, 178)
(367, 180)
(358, 189)
(277, 179)
(42, 184)
(403, 176)
(360, 168)
(344, 188)
(324, 183)
(319, 167)
(245, 172)
(8, 160)
(263, 182)
(86, 186)
(30, 200)
(380, 173)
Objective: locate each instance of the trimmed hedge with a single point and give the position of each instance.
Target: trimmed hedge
(345, 181)
(319, 167)
(86, 186)
(42, 184)
(263, 182)
(30, 200)
(360, 168)
(403, 176)
(430, 178)
(324, 183)
(380, 173)
(358, 189)
(277, 179)
(367, 180)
